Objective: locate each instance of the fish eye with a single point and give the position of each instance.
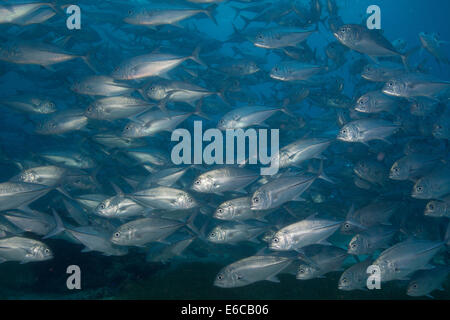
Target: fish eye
(347, 226)
(415, 285)
(256, 199)
(117, 234)
(220, 210)
(276, 240)
(102, 206)
(431, 206)
(212, 234)
(396, 170)
(353, 245)
(197, 182)
(219, 277)
(47, 251)
(390, 83)
(344, 131)
(302, 270)
(419, 188)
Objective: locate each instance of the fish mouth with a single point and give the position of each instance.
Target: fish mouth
(259, 45)
(393, 176)
(274, 76)
(389, 92)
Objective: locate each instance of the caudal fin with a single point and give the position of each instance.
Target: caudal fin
(406, 56)
(198, 110)
(59, 226)
(321, 174)
(190, 224)
(195, 57)
(209, 12)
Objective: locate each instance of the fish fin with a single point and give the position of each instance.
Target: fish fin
(240, 191)
(247, 21)
(131, 182)
(198, 110)
(273, 279)
(429, 296)
(325, 243)
(406, 56)
(195, 57)
(209, 12)
(64, 192)
(59, 227)
(299, 198)
(86, 249)
(116, 188)
(321, 174)
(177, 24)
(190, 224)
(286, 111)
(25, 208)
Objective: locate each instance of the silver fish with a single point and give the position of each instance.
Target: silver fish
(402, 259)
(23, 250)
(250, 270)
(312, 230)
(224, 179)
(366, 130)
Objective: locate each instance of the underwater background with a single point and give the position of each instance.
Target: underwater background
(108, 41)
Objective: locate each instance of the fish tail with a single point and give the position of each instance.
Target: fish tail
(209, 12)
(406, 56)
(190, 224)
(286, 111)
(198, 110)
(195, 57)
(87, 59)
(247, 21)
(321, 174)
(59, 226)
(221, 95)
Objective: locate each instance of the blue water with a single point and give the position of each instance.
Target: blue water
(107, 40)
